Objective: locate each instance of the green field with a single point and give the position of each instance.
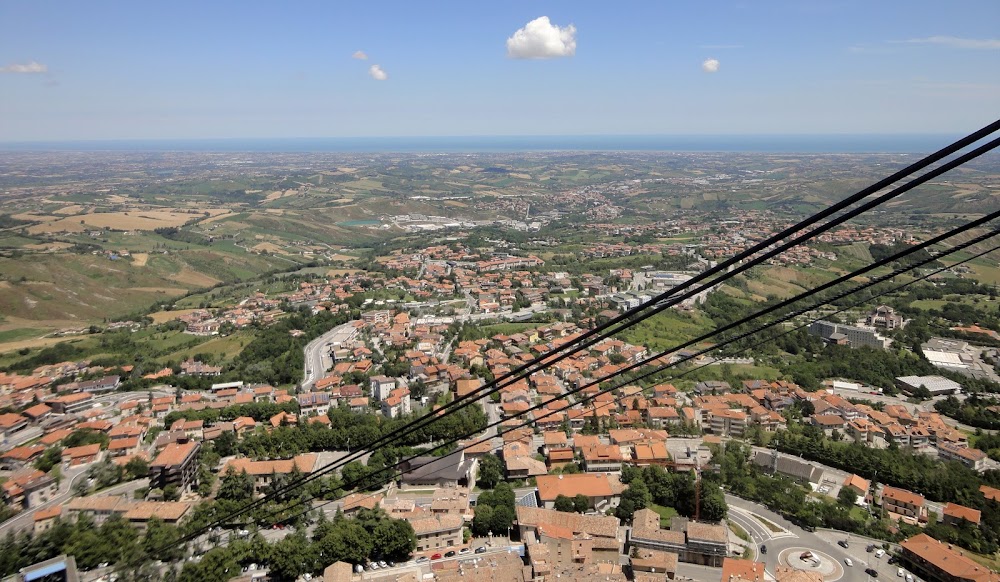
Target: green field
(665, 513)
(13, 335)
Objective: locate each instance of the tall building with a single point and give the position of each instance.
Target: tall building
(850, 335)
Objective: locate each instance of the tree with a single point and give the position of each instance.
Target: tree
(235, 486)
(171, 492)
(394, 539)
(636, 497)
(482, 523)
(846, 497)
(564, 504)
(137, 467)
(345, 541)
(292, 557)
(581, 503)
(490, 472)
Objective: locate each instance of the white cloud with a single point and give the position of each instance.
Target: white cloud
(710, 65)
(27, 68)
(377, 73)
(955, 42)
(360, 55)
(540, 39)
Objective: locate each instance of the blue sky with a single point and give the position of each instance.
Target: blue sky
(180, 69)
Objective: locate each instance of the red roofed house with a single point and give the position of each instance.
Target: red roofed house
(75, 456)
(935, 560)
(954, 514)
(177, 464)
(906, 505)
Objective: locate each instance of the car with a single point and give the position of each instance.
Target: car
(421, 560)
(909, 577)
(481, 550)
(763, 549)
(843, 543)
(382, 564)
(900, 572)
(465, 550)
(372, 566)
(871, 572)
(892, 560)
(870, 548)
(358, 569)
(450, 554)
(848, 562)
(879, 553)
(436, 557)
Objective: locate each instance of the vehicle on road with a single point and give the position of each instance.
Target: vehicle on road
(871, 572)
(763, 549)
(481, 550)
(909, 577)
(843, 543)
(900, 572)
(450, 554)
(465, 550)
(848, 562)
(421, 560)
(436, 557)
(879, 553)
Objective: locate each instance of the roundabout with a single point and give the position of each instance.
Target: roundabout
(811, 560)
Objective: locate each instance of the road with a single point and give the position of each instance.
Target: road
(317, 353)
(791, 538)
(26, 517)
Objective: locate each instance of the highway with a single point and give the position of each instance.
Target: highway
(787, 543)
(317, 352)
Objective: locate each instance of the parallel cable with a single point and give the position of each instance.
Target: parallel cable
(887, 260)
(660, 305)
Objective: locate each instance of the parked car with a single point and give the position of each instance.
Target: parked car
(481, 550)
(900, 572)
(871, 572)
(421, 560)
(848, 562)
(870, 548)
(382, 564)
(879, 553)
(843, 543)
(909, 577)
(450, 554)
(465, 550)
(436, 557)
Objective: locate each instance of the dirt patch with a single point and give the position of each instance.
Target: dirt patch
(219, 216)
(69, 210)
(140, 259)
(339, 272)
(133, 220)
(165, 316)
(48, 246)
(167, 290)
(338, 257)
(269, 247)
(194, 278)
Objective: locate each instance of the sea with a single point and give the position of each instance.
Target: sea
(804, 144)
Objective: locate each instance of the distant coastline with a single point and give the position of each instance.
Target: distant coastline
(801, 144)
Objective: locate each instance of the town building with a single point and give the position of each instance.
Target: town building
(177, 464)
(263, 473)
(692, 541)
(602, 490)
(938, 561)
(850, 335)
